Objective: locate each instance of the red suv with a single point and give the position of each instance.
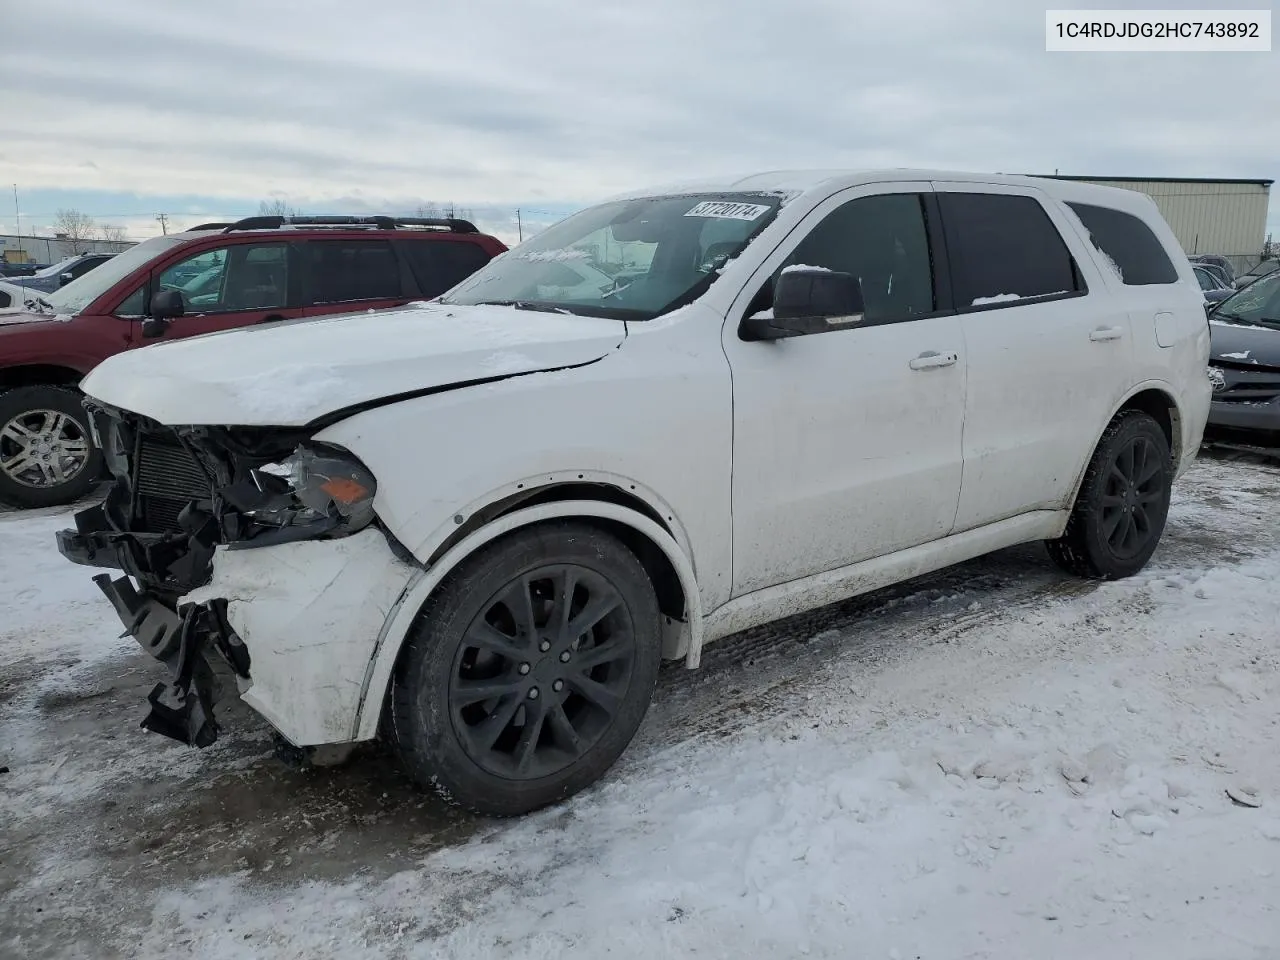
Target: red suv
(212, 277)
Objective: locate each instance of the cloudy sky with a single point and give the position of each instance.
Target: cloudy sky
(128, 108)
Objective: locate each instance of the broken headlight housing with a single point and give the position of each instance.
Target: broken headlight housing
(315, 491)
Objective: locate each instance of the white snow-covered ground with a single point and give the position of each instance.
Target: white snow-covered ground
(992, 762)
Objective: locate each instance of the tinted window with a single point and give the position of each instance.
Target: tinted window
(442, 264)
(1130, 244)
(5, 300)
(1004, 247)
(344, 270)
(882, 241)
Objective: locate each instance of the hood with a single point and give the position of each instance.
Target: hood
(1245, 344)
(20, 315)
(295, 372)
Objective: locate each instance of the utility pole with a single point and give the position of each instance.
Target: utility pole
(164, 222)
(17, 217)
(519, 225)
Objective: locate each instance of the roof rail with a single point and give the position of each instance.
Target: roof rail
(210, 226)
(451, 224)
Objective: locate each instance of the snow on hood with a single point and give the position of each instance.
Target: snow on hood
(1244, 343)
(291, 373)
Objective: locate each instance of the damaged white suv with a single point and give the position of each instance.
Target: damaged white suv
(476, 526)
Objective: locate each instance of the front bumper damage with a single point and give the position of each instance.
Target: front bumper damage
(182, 639)
(188, 616)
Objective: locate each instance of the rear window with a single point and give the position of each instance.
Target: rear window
(1003, 249)
(1129, 243)
(441, 265)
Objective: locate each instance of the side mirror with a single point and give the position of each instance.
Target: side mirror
(807, 300)
(64, 279)
(166, 306)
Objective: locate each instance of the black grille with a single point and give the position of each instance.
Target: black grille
(167, 478)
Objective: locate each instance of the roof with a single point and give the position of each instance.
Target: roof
(793, 183)
(1056, 176)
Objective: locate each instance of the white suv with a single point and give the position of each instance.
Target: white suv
(475, 526)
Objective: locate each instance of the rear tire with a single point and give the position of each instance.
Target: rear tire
(528, 672)
(1120, 513)
(47, 455)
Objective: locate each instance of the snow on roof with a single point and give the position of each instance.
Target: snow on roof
(793, 183)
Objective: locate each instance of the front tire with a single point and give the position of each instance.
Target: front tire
(1120, 513)
(529, 671)
(47, 455)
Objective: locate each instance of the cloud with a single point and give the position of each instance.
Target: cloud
(492, 102)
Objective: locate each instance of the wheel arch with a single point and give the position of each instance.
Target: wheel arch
(668, 566)
(39, 375)
(1155, 398)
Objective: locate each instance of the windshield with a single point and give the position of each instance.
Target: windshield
(78, 294)
(56, 269)
(630, 259)
(1258, 304)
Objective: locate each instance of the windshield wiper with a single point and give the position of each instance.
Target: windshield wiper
(537, 305)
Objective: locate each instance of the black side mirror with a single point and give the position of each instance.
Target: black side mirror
(64, 279)
(166, 306)
(807, 300)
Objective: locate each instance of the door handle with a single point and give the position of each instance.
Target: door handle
(931, 360)
(1107, 333)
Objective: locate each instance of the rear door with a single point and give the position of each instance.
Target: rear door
(352, 273)
(234, 285)
(1050, 351)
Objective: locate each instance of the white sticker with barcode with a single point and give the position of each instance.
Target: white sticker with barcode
(725, 210)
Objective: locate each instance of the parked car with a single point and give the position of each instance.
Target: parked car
(1220, 275)
(11, 297)
(1211, 284)
(211, 278)
(8, 269)
(1261, 269)
(1245, 364)
(1220, 263)
(60, 274)
(476, 526)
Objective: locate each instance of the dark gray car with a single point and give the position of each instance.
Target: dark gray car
(51, 278)
(1244, 362)
(1211, 285)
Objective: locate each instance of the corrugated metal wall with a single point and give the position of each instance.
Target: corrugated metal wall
(1227, 218)
(51, 250)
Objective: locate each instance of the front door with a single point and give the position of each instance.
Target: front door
(230, 286)
(847, 443)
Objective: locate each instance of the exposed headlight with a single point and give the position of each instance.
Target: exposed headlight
(1217, 378)
(316, 491)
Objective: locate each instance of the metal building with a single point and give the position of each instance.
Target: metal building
(29, 249)
(1227, 217)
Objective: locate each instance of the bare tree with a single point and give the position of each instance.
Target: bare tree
(112, 234)
(75, 227)
(276, 208)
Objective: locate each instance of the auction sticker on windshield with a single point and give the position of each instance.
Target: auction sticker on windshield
(724, 210)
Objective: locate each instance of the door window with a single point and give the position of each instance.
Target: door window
(884, 243)
(1004, 248)
(247, 276)
(346, 270)
(134, 305)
